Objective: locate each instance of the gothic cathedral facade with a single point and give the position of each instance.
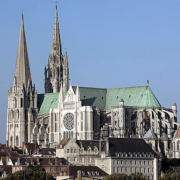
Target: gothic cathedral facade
(83, 113)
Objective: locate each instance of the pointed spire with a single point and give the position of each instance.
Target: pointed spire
(56, 45)
(22, 69)
(61, 94)
(77, 93)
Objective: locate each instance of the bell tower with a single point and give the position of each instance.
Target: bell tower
(22, 97)
(58, 69)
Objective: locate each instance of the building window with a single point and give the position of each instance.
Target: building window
(55, 127)
(82, 151)
(139, 162)
(89, 159)
(130, 162)
(74, 150)
(96, 151)
(68, 159)
(75, 159)
(82, 159)
(89, 151)
(71, 150)
(67, 150)
(178, 145)
(50, 169)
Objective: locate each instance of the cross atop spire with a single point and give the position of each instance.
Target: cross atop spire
(22, 70)
(56, 45)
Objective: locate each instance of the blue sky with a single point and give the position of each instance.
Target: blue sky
(110, 43)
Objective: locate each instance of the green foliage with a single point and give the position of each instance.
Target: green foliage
(168, 176)
(122, 176)
(137, 176)
(169, 162)
(31, 173)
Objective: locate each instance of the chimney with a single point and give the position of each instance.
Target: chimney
(79, 175)
(100, 147)
(18, 161)
(37, 158)
(56, 160)
(37, 151)
(107, 147)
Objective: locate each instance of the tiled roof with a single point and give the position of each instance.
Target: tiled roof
(91, 143)
(139, 96)
(128, 145)
(73, 170)
(47, 151)
(44, 161)
(177, 134)
(6, 168)
(63, 142)
(31, 147)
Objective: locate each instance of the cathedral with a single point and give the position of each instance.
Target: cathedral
(83, 113)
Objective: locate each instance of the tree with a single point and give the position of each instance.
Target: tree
(137, 176)
(116, 176)
(31, 173)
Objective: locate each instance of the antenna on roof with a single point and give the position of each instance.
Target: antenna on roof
(148, 82)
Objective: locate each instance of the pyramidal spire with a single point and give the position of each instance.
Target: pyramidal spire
(56, 45)
(22, 70)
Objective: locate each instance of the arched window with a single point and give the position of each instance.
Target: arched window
(16, 140)
(21, 102)
(17, 114)
(11, 140)
(15, 102)
(12, 114)
(178, 145)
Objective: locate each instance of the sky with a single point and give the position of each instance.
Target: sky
(110, 44)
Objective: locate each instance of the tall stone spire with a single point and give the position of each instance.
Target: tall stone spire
(22, 70)
(56, 45)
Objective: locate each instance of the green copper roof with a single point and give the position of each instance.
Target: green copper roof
(92, 96)
(140, 96)
(47, 101)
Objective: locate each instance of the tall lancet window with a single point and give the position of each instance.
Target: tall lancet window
(15, 102)
(178, 145)
(55, 118)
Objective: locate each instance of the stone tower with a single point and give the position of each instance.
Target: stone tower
(58, 69)
(22, 98)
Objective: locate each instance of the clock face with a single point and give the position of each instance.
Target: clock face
(69, 121)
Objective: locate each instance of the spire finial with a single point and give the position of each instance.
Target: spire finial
(148, 82)
(56, 3)
(22, 13)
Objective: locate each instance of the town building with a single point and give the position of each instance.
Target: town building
(129, 155)
(81, 113)
(81, 152)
